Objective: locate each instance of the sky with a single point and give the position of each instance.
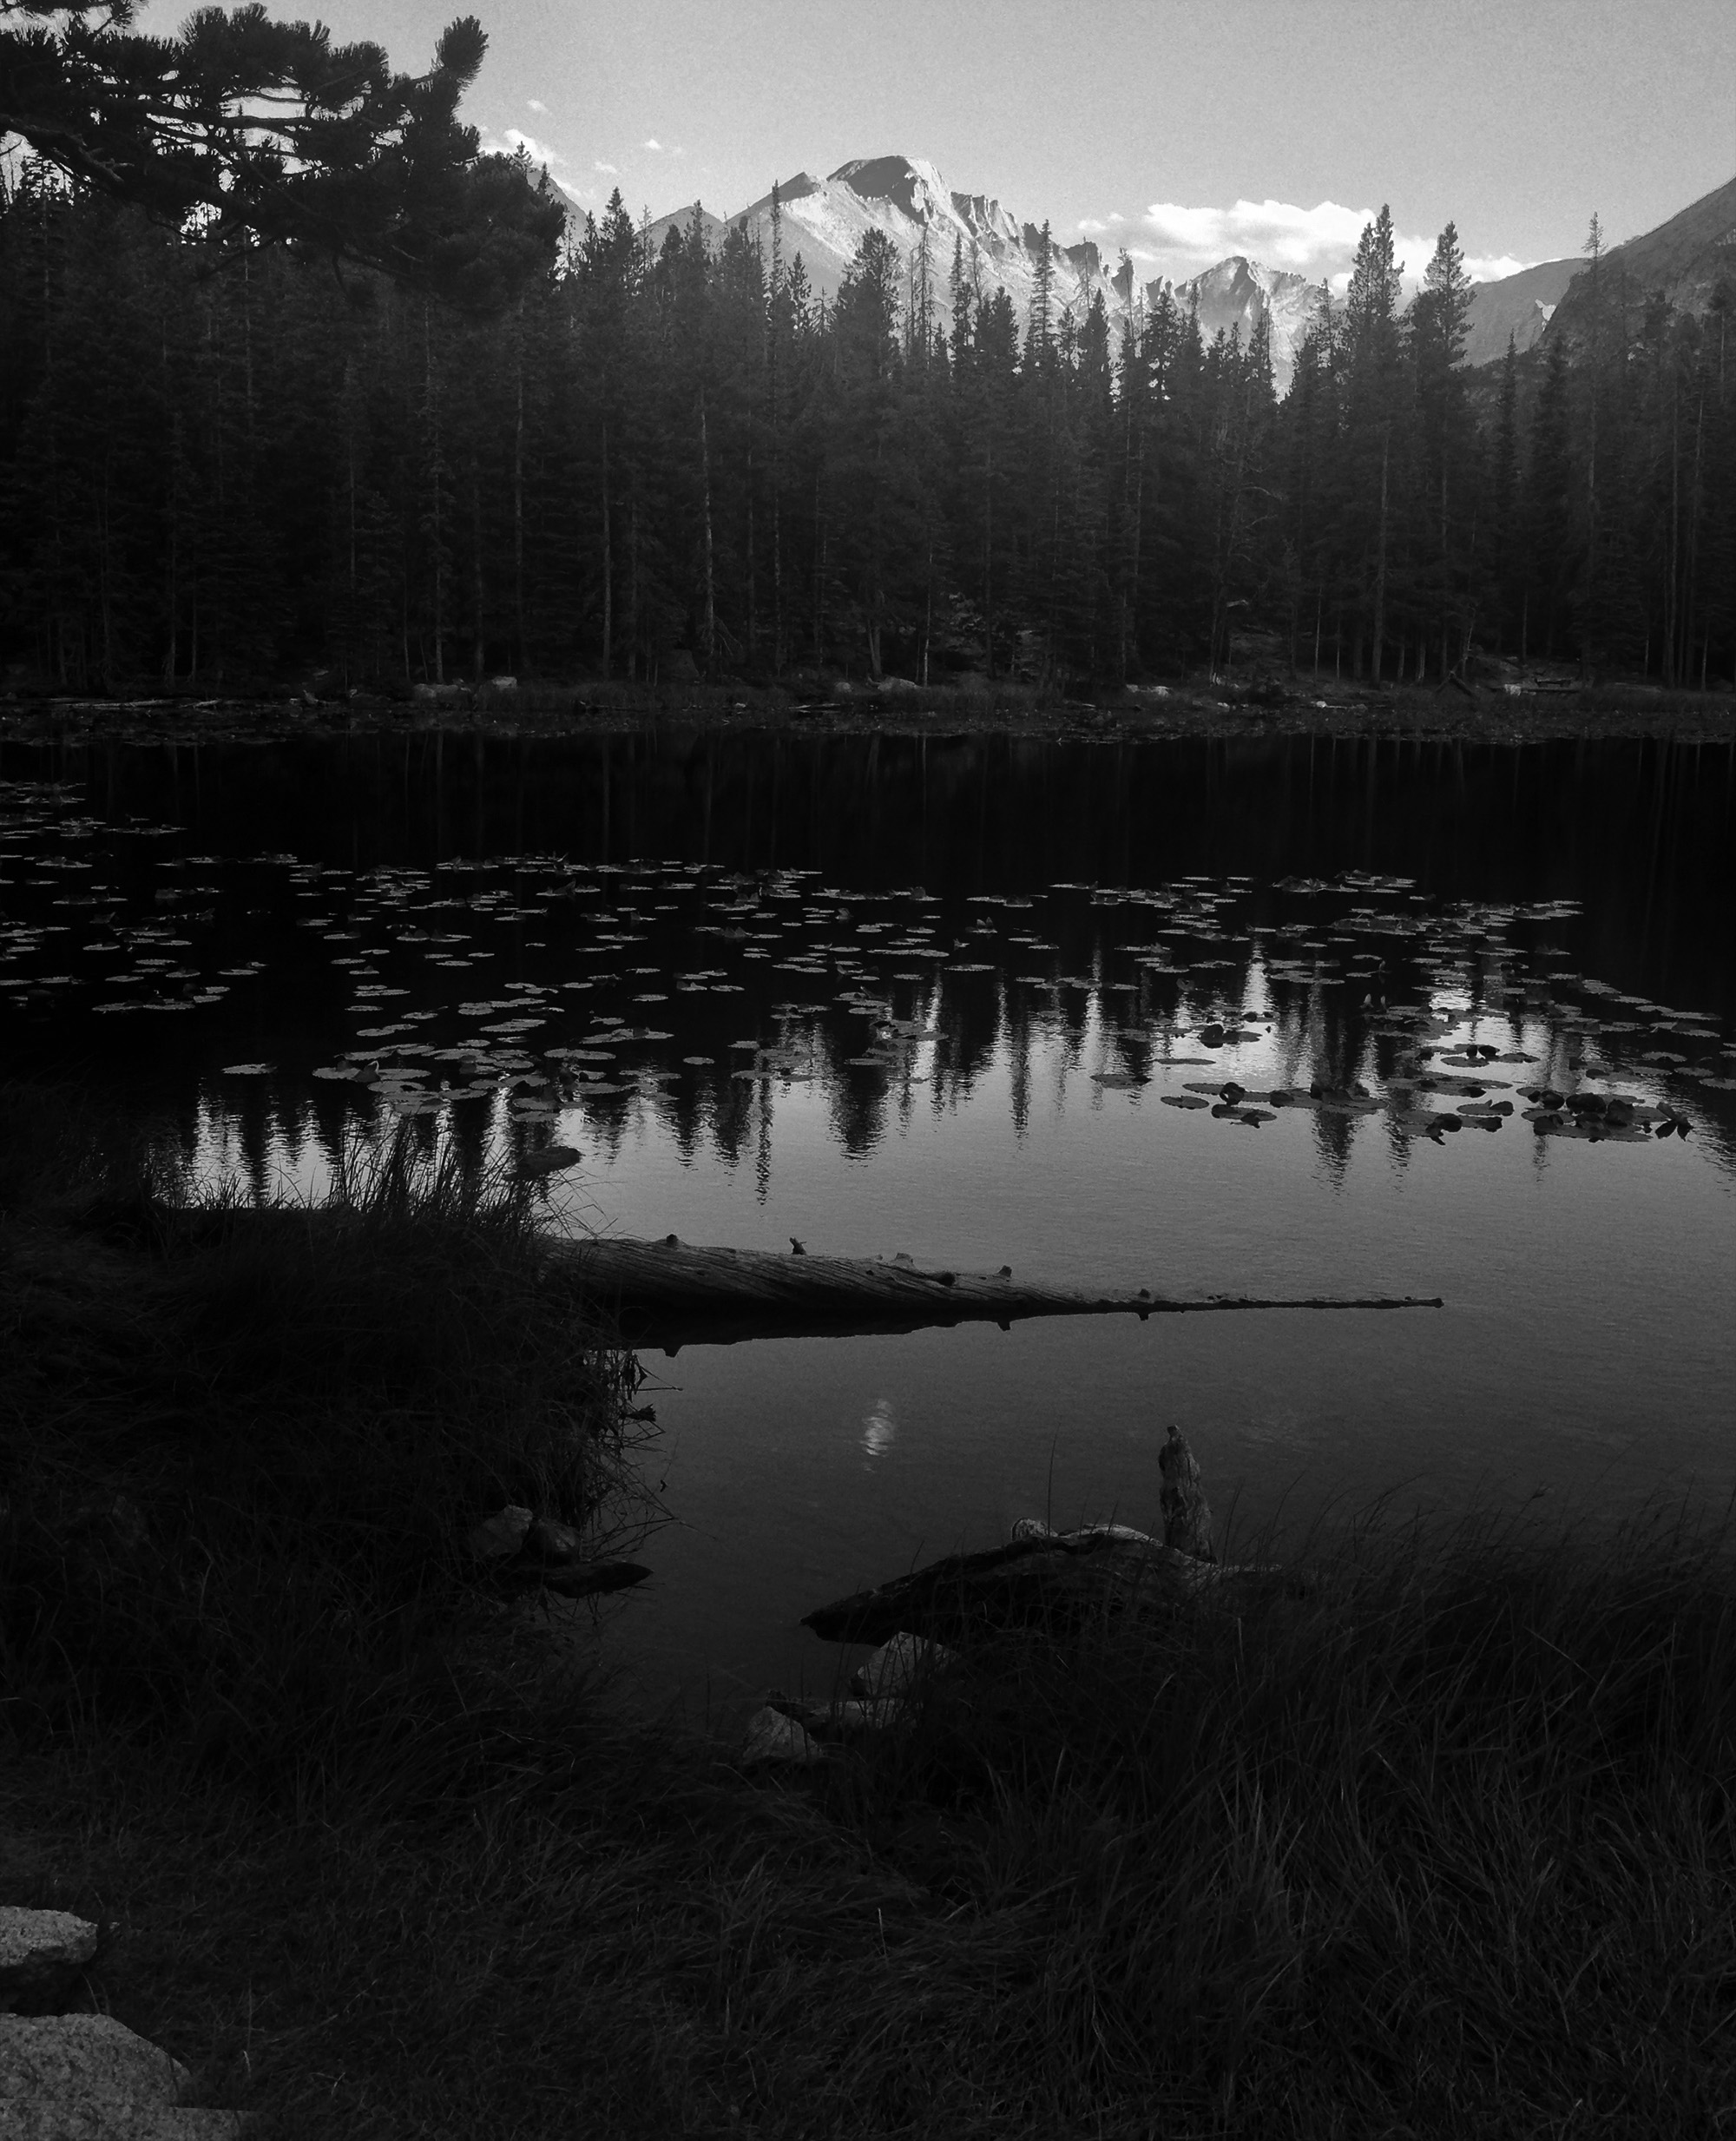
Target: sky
(1183, 130)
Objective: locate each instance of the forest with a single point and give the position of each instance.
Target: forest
(224, 468)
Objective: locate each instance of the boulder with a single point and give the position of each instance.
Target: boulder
(843, 1720)
(555, 1544)
(502, 1534)
(41, 1953)
(898, 1666)
(89, 2078)
(1033, 1581)
(772, 1737)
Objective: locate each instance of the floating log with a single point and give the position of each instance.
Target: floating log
(673, 1293)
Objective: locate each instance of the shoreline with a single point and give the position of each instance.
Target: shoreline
(1406, 713)
(369, 1855)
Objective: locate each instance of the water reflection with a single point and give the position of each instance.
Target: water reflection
(515, 1002)
(990, 1002)
(880, 1429)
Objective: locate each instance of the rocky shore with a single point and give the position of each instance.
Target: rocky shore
(1309, 707)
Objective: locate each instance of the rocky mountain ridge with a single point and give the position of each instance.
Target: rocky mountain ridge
(825, 218)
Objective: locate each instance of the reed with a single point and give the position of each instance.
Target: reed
(297, 1421)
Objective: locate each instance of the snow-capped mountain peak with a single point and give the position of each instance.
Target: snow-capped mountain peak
(906, 197)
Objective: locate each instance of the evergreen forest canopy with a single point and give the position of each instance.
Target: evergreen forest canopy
(228, 458)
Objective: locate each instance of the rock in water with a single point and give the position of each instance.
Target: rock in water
(1186, 1519)
(1034, 1582)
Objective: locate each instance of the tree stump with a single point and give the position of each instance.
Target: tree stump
(1186, 1519)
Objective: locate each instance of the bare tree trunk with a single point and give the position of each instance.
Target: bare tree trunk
(434, 483)
(1139, 524)
(710, 626)
(1670, 584)
(518, 506)
(1693, 568)
(1380, 556)
(608, 566)
(477, 566)
(777, 578)
(989, 554)
(632, 663)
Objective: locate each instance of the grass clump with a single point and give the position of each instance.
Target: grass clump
(1437, 1844)
(241, 1448)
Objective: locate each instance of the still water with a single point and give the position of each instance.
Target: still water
(1270, 1016)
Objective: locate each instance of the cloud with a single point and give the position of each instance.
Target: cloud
(538, 152)
(536, 103)
(1319, 242)
(1480, 269)
(656, 146)
(608, 169)
(1091, 224)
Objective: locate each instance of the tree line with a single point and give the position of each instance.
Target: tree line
(228, 462)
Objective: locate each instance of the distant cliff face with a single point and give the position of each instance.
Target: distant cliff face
(1520, 305)
(1689, 258)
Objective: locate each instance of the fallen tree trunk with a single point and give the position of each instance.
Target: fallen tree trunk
(673, 1293)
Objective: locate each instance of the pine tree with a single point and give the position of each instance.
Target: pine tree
(1372, 411)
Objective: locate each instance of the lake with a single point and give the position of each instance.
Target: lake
(978, 1000)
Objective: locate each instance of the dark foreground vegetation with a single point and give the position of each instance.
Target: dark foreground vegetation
(1445, 1847)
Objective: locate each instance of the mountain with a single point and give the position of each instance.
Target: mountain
(1520, 305)
(826, 219)
(1685, 258)
(1236, 291)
